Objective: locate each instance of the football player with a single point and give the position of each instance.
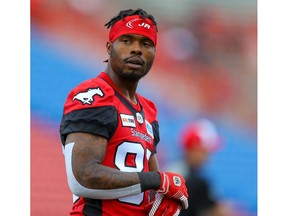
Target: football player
(110, 132)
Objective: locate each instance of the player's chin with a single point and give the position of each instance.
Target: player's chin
(134, 75)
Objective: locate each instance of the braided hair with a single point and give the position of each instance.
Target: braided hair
(124, 13)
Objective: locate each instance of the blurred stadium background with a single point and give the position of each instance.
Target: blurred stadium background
(205, 66)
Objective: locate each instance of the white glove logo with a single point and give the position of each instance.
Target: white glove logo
(177, 181)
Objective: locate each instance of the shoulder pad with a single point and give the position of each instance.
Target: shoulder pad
(91, 93)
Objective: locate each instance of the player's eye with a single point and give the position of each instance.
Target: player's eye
(125, 40)
(147, 44)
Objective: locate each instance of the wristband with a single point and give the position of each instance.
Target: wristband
(149, 180)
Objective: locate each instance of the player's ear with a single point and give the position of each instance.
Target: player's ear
(108, 47)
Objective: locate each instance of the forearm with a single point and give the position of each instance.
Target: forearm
(98, 176)
(102, 182)
(103, 177)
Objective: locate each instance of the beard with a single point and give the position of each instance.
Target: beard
(132, 75)
(118, 65)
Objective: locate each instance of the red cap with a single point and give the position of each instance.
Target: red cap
(201, 133)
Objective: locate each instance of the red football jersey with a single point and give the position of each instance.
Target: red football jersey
(96, 106)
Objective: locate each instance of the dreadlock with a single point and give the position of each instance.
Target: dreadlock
(124, 13)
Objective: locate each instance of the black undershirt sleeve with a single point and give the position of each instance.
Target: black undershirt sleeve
(155, 127)
(100, 121)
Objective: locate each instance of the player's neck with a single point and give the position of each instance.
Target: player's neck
(126, 87)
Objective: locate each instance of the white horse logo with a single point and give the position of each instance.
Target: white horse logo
(87, 97)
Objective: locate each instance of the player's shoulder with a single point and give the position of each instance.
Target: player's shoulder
(90, 93)
(148, 104)
(92, 83)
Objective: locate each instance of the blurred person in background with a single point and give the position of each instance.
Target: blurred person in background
(199, 140)
(110, 133)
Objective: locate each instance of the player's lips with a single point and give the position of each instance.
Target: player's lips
(135, 62)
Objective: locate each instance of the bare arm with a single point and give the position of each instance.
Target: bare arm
(87, 177)
(153, 163)
(153, 166)
(87, 156)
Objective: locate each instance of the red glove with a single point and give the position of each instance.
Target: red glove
(173, 186)
(164, 206)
